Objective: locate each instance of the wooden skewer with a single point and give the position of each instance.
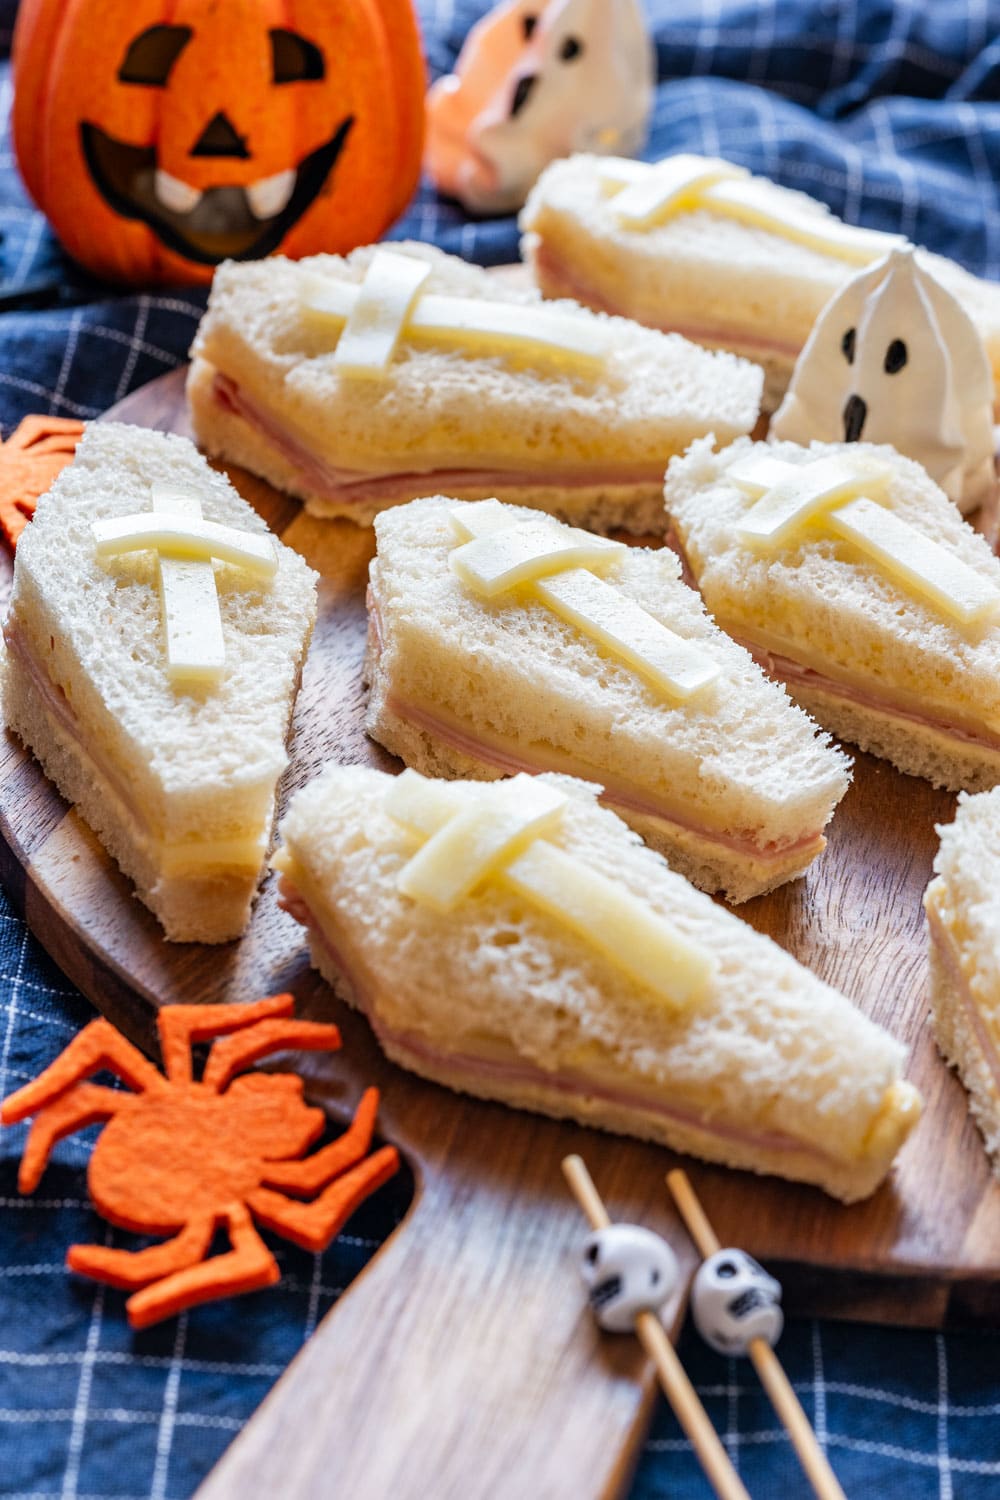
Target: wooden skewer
(673, 1378)
(772, 1377)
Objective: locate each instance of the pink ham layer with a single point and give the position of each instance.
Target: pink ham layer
(562, 281)
(949, 958)
(59, 709)
(356, 486)
(569, 1083)
(505, 760)
(786, 669)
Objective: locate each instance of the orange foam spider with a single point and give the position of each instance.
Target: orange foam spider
(186, 1158)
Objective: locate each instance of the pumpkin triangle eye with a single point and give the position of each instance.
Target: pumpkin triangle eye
(293, 59)
(152, 55)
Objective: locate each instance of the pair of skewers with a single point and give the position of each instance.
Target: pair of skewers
(652, 1335)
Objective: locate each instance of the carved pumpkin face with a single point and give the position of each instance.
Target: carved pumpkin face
(163, 138)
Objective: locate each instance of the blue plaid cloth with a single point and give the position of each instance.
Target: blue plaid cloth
(889, 111)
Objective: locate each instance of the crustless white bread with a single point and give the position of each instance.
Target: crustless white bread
(179, 785)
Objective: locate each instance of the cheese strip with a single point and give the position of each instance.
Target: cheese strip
(196, 651)
(474, 844)
(181, 536)
(376, 321)
(503, 559)
(474, 325)
(675, 184)
(917, 561)
(661, 191)
(802, 492)
(676, 667)
(606, 916)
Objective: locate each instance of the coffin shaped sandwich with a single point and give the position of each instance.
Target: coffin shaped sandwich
(517, 941)
(155, 639)
(501, 641)
(357, 383)
(697, 245)
(851, 577)
(963, 915)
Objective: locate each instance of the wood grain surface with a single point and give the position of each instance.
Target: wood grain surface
(462, 1362)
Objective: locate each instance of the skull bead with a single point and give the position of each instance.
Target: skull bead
(734, 1300)
(628, 1270)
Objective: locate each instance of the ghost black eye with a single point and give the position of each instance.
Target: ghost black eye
(293, 59)
(570, 49)
(895, 357)
(593, 1251)
(847, 345)
(528, 24)
(152, 55)
(725, 1269)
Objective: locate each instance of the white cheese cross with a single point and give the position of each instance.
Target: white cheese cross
(648, 193)
(389, 306)
(185, 545)
(559, 565)
(472, 835)
(837, 491)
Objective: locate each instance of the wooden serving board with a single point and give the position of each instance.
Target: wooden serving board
(462, 1361)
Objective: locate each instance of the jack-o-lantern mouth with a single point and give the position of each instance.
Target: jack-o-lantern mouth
(219, 223)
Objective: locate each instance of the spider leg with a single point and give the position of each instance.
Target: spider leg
(304, 1177)
(131, 1268)
(87, 1103)
(97, 1046)
(313, 1225)
(230, 1056)
(182, 1025)
(246, 1267)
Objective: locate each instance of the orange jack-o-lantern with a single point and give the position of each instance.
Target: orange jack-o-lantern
(162, 136)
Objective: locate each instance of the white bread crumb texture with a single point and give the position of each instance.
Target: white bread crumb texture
(95, 626)
(703, 269)
(968, 868)
(738, 757)
(656, 393)
(823, 598)
(774, 1045)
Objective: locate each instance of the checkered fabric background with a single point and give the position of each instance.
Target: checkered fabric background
(889, 110)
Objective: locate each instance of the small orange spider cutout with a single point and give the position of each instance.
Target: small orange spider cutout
(30, 459)
(187, 1158)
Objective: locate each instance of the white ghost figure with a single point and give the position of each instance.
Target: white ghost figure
(627, 1270)
(734, 1300)
(535, 80)
(894, 358)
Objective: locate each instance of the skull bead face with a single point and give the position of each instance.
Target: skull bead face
(628, 1270)
(734, 1300)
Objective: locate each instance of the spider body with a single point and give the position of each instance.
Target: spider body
(187, 1158)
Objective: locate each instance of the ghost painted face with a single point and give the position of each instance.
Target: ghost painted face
(196, 131)
(627, 1270)
(538, 79)
(895, 359)
(734, 1300)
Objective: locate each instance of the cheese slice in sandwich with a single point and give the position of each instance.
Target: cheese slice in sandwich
(963, 916)
(517, 941)
(356, 383)
(155, 641)
(696, 245)
(849, 575)
(502, 641)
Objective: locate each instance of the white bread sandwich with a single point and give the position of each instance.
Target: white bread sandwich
(501, 641)
(358, 383)
(963, 916)
(696, 245)
(156, 685)
(851, 577)
(516, 941)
